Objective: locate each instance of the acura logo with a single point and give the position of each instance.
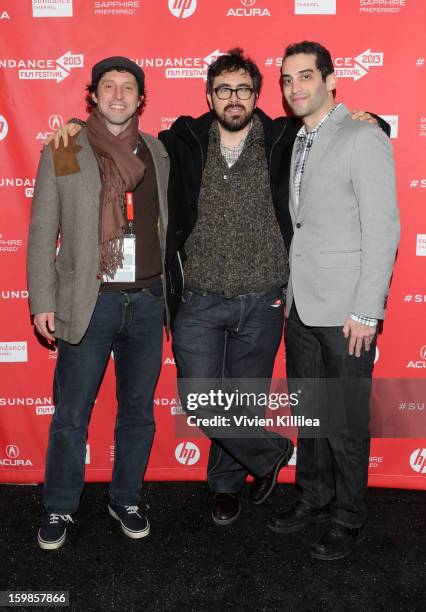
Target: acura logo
(55, 122)
(12, 451)
(423, 352)
(248, 2)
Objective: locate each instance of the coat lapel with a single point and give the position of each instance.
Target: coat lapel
(157, 153)
(293, 209)
(89, 168)
(321, 143)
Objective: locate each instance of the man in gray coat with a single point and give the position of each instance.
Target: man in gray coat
(346, 229)
(95, 276)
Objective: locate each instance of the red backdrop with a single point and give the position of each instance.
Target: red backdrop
(47, 50)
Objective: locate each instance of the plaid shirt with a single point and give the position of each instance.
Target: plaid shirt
(231, 154)
(304, 143)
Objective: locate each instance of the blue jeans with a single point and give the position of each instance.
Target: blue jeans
(130, 324)
(216, 337)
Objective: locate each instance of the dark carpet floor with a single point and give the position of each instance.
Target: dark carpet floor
(187, 563)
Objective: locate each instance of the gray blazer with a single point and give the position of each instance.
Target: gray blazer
(66, 201)
(346, 226)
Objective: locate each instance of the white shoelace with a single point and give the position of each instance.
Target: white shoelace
(132, 509)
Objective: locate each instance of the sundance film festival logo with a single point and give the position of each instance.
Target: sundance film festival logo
(45, 69)
(187, 453)
(12, 458)
(42, 405)
(418, 460)
(52, 8)
(182, 8)
(314, 7)
(357, 67)
(26, 183)
(248, 9)
(180, 67)
(4, 127)
(13, 294)
(172, 403)
(13, 351)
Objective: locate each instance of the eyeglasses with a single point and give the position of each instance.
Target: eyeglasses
(225, 93)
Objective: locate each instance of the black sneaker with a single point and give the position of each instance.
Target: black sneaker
(132, 521)
(53, 531)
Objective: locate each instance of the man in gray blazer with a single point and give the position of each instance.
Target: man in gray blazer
(95, 276)
(346, 229)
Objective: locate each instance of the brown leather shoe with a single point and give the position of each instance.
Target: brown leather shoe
(337, 542)
(263, 486)
(226, 508)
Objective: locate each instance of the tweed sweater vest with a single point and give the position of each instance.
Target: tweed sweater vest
(236, 246)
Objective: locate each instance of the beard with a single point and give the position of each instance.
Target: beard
(234, 124)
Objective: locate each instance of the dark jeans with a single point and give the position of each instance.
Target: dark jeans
(332, 470)
(131, 324)
(215, 337)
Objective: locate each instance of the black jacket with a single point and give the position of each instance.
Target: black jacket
(187, 143)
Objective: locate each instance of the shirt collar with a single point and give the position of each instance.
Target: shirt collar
(302, 133)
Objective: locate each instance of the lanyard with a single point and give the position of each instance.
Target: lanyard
(129, 206)
(130, 212)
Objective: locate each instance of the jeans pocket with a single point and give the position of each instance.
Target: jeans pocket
(155, 296)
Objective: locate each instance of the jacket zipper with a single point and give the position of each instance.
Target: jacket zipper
(199, 143)
(181, 271)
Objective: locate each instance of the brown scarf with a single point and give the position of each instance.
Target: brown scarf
(121, 171)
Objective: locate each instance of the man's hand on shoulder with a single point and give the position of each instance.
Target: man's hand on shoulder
(360, 115)
(358, 334)
(68, 129)
(44, 322)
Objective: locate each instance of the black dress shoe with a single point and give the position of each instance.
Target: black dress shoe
(226, 508)
(297, 517)
(263, 486)
(337, 542)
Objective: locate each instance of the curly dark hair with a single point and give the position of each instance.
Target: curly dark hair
(232, 61)
(323, 60)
